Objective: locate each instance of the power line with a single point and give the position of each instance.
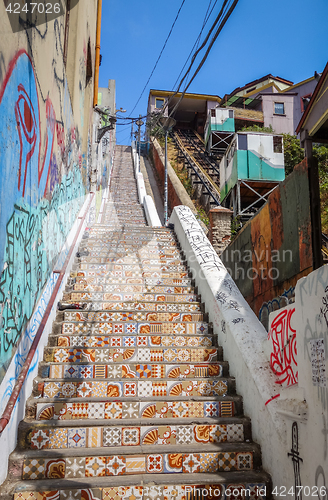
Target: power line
(206, 18)
(218, 31)
(214, 25)
(160, 55)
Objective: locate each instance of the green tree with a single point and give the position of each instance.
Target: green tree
(293, 153)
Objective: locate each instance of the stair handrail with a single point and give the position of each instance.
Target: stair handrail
(6, 415)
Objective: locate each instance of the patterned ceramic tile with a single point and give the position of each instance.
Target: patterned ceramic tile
(114, 493)
(91, 494)
(130, 436)
(33, 469)
(95, 437)
(135, 464)
(76, 437)
(191, 463)
(112, 436)
(130, 410)
(113, 410)
(57, 438)
(208, 462)
(40, 439)
(95, 466)
(227, 461)
(70, 495)
(75, 467)
(173, 462)
(133, 493)
(96, 410)
(244, 461)
(185, 434)
(115, 465)
(155, 464)
(54, 468)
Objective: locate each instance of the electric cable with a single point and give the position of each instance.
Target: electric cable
(160, 55)
(214, 25)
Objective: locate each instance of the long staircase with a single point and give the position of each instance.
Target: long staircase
(133, 400)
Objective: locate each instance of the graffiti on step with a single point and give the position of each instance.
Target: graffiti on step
(296, 459)
(283, 358)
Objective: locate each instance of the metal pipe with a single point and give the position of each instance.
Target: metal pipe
(5, 418)
(97, 59)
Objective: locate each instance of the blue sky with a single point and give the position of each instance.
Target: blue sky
(286, 38)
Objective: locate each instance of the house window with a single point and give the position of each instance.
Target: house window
(213, 113)
(159, 103)
(242, 142)
(230, 113)
(277, 144)
(279, 108)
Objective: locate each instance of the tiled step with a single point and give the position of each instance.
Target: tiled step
(171, 265)
(83, 295)
(104, 327)
(164, 408)
(131, 341)
(66, 436)
(134, 388)
(95, 304)
(255, 486)
(138, 317)
(92, 283)
(96, 285)
(130, 370)
(124, 460)
(122, 354)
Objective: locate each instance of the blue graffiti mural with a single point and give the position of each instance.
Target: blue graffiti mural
(38, 206)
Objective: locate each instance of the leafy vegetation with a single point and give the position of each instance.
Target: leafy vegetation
(294, 154)
(258, 128)
(154, 128)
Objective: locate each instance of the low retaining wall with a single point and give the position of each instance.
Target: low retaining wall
(148, 203)
(243, 339)
(177, 195)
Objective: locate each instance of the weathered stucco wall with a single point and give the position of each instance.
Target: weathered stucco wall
(45, 156)
(274, 249)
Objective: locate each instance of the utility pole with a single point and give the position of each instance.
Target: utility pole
(139, 123)
(167, 124)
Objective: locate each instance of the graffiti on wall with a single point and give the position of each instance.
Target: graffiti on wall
(274, 249)
(282, 336)
(38, 203)
(296, 459)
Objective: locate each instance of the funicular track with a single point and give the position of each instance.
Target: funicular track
(191, 147)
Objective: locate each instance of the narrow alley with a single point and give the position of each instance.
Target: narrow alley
(133, 399)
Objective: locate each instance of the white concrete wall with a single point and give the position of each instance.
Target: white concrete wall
(312, 347)
(245, 346)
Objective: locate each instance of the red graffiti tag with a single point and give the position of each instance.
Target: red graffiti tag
(26, 125)
(283, 359)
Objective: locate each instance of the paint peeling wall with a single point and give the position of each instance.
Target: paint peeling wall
(45, 130)
(274, 249)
